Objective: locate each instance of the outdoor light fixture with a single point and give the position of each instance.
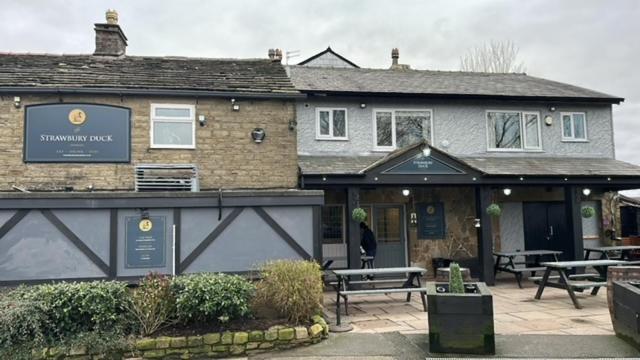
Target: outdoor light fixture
(17, 101)
(202, 120)
(144, 214)
(406, 192)
(234, 106)
(476, 223)
(586, 191)
(258, 135)
(552, 108)
(292, 125)
(414, 218)
(363, 105)
(426, 151)
(548, 120)
(506, 191)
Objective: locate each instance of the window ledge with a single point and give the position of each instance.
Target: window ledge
(171, 148)
(331, 139)
(515, 150)
(575, 140)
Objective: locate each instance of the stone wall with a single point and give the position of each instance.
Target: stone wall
(225, 154)
(208, 346)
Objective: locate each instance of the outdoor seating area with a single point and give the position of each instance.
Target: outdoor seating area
(516, 312)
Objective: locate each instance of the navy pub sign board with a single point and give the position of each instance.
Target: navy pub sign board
(87, 133)
(145, 242)
(431, 223)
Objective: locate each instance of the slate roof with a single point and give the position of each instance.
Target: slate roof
(490, 166)
(144, 72)
(558, 166)
(437, 83)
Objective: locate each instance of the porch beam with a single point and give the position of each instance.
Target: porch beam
(353, 228)
(485, 235)
(575, 246)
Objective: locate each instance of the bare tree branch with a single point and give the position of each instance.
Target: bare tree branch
(493, 57)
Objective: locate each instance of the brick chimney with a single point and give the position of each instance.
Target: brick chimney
(395, 56)
(110, 40)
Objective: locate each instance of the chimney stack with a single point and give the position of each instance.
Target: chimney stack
(110, 40)
(272, 54)
(395, 56)
(278, 56)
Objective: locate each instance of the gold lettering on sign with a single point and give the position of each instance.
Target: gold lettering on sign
(77, 117)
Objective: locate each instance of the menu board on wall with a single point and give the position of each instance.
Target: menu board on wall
(145, 242)
(431, 224)
(86, 133)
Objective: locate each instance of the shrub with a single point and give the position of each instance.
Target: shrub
(494, 210)
(211, 297)
(152, 303)
(588, 212)
(456, 285)
(359, 215)
(292, 288)
(21, 322)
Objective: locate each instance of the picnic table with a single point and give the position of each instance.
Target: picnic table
(573, 283)
(606, 252)
(532, 266)
(345, 284)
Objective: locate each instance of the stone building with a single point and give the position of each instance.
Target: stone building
(116, 165)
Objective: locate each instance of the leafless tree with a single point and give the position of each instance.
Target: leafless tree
(493, 57)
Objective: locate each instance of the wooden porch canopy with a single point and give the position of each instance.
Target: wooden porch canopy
(425, 165)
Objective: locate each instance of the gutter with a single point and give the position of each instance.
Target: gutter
(156, 92)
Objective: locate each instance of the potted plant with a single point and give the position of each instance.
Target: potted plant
(460, 316)
(626, 311)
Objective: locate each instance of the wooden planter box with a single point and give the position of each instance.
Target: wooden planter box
(461, 323)
(626, 312)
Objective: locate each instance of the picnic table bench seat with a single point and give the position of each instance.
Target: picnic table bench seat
(383, 291)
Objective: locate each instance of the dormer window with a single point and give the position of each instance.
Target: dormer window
(331, 124)
(574, 127)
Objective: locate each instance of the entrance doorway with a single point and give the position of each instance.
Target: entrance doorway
(388, 225)
(545, 226)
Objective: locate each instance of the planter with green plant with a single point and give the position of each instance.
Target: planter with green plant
(460, 316)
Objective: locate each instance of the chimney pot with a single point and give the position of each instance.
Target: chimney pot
(110, 40)
(272, 54)
(395, 55)
(112, 17)
(278, 56)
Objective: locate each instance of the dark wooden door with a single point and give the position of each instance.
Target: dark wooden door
(545, 226)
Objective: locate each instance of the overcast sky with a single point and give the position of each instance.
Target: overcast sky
(594, 44)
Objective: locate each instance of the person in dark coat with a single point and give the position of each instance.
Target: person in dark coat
(368, 242)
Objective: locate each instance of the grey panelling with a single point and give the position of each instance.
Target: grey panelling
(5, 215)
(197, 224)
(35, 249)
(297, 222)
(122, 214)
(91, 226)
(511, 227)
(461, 123)
(244, 245)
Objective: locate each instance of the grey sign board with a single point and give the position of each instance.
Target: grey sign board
(77, 133)
(145, 242)
(427, 165)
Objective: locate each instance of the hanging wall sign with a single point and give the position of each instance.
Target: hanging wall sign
(77, 133)
(145, 242)
(431, 223)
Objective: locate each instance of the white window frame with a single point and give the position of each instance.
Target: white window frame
(320, 136)
(572, 138)
(393, 127)
(167, 119)
(523, 132)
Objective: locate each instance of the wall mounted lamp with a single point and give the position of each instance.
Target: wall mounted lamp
(292, 125)
(552, 108)
(202, 120)
(258, 135)
(406, 192)
(363, 105)
(234, 106)
(476, 223)
(17, 101)
(586, 191)
(413, 218)
(426, 151)
(506, 191)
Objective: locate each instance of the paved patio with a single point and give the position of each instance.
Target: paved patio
(516, 312)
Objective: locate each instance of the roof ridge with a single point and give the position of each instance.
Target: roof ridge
(407, 70)
(168, 57)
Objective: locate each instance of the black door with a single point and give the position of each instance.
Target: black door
(545, 226)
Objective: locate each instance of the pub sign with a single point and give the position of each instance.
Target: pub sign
(77, 133)
(431, 223)
(145, 242)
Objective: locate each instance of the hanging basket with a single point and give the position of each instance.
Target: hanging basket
(588, 212)
(359, 215)
(494, 210)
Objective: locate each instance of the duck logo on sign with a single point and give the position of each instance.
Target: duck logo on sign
(77, 117)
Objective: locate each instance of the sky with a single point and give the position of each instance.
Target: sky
(589, 43)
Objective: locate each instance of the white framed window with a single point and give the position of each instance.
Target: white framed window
(574, 126)
(509, 130)
(173, 126)
(397, 128)
(331, 124)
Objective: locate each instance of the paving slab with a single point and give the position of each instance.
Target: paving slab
(396, 346)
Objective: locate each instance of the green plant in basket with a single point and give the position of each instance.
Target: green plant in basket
(494, 210)
(359, 215)
(456, 284)
(588, 212)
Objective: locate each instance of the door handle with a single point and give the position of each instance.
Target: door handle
(550, 230)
